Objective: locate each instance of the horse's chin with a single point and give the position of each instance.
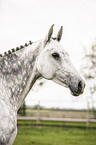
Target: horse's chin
(74, 93)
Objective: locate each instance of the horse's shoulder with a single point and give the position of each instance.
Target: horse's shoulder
(7, 123)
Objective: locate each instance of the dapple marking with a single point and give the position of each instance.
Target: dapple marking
(19, 70)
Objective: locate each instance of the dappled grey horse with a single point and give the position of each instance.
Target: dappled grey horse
(19, 70)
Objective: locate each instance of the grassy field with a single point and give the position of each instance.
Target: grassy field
(56, 124)
(28, 135)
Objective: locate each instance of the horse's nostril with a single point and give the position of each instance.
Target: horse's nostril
(80, 86)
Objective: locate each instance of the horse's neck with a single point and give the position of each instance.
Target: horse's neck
(19, 72)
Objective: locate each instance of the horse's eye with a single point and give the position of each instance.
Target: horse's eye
(55, 56)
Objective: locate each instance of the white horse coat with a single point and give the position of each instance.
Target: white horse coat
(20, 69)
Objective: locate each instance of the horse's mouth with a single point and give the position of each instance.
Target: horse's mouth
(75, 93)
(76, 90)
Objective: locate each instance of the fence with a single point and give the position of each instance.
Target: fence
(40, 113)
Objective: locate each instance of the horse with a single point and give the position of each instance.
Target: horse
(19, 70)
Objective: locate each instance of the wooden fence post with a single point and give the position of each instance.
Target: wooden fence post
(38, 114)
(88, 116)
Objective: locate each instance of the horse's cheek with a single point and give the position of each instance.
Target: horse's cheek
(46, 70)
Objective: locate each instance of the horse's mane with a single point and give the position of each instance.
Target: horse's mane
(15, 49)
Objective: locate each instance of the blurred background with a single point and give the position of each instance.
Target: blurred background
(48, 103)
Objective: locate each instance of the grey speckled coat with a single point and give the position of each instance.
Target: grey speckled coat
(20, 69)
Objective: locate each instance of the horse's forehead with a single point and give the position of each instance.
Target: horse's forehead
(54, 45)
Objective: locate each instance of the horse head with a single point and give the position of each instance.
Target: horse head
(54, 64)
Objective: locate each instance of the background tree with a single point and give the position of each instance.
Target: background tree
(89, 71)
(22, 109)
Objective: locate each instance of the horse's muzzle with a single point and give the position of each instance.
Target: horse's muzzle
(78, 88)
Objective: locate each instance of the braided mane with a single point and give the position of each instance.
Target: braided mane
(15, 49)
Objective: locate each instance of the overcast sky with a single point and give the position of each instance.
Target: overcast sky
(24, 20)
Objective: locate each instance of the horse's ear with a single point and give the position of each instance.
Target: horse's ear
(48, 37)
(50, 32)
(59, 35)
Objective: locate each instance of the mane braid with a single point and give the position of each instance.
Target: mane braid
(16, 49)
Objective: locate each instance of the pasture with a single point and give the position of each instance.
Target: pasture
(56, 132)
(28, 135)
(57, 113)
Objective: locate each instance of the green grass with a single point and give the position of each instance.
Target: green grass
(56, 123)
(28, 135)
